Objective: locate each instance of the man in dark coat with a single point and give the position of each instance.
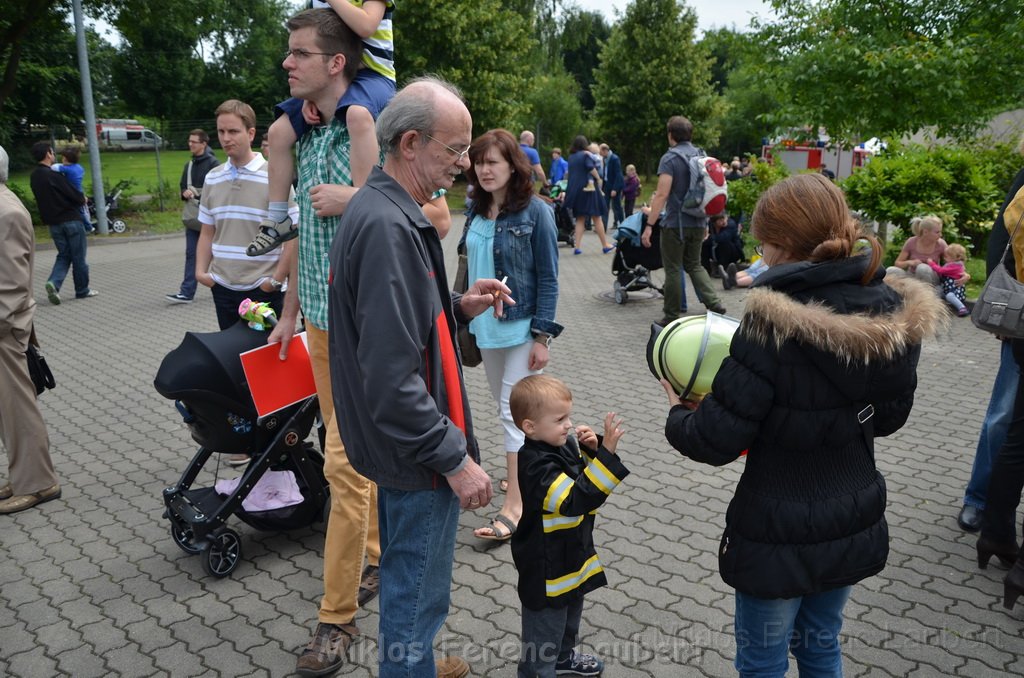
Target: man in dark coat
(60, 206)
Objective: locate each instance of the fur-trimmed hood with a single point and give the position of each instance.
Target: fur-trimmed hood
(774, 317)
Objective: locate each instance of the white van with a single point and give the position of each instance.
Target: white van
(131, 138)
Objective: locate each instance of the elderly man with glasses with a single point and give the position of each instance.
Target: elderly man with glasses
(399, 393)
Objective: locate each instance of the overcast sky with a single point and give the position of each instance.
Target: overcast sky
(710, 13)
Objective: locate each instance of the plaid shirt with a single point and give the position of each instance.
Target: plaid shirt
(323, 158)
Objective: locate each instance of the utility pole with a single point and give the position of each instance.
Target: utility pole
(99, 199)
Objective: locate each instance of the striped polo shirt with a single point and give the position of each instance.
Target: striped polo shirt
(234, 202)
(379, 48)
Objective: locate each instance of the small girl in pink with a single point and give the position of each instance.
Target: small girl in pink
(950, 274)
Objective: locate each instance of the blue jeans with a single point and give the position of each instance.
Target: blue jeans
(417, 543)
(69, 239)
(188, 283)
(549, 635)
(767, 630)
(994, 427)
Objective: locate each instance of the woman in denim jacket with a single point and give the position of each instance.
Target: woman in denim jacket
(510, 232)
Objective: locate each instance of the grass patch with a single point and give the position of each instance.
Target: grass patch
(137, 167)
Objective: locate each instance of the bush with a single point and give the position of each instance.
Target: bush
(744, 193)
(960, 184)
(29, 201)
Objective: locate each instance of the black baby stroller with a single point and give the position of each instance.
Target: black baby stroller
(633, 263)
(111, 200)
(205, 379)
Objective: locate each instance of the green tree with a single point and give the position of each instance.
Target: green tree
(249, 47)
(960, 184)
(749, 102)
(583, 34)
(554, 109)
(479, 46)
(879, 68)
(651, 69)
(39, 81)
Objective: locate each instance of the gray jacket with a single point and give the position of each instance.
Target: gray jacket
(399, 395)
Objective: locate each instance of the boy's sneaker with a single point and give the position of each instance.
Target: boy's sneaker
(272, 235)
(178, 298)
(327, 651)
(51, 293)
(579, 664)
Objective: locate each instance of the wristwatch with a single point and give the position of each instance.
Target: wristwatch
(542, 338)
(276, 284)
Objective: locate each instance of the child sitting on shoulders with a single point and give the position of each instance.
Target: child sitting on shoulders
(954, 256)
(563, 482)
(362, 102)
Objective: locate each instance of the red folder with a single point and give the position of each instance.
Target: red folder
(274, 383)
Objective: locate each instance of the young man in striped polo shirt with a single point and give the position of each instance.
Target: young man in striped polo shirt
(233, 204)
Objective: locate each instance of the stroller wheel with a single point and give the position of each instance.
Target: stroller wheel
(118, 226)
(221, 556)
(183, 538)
(620, 293)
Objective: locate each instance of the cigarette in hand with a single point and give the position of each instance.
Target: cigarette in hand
(497, 293)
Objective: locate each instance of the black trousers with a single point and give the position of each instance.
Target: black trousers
(226, 302)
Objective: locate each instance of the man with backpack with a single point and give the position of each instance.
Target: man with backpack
(682, 228)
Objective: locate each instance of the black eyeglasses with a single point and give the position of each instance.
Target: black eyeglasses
(459, 155)
(302, 54)
(759, 249)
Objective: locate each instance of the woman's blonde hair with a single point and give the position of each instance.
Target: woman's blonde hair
(806, 215)
(929, 221)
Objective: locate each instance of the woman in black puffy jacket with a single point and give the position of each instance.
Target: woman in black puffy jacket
(825, 359)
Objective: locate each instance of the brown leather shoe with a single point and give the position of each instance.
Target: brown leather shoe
(369, 584)
(328, 650)
(451, 667)
(15, 503)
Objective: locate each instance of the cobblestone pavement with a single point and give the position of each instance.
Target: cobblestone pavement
(92, 584)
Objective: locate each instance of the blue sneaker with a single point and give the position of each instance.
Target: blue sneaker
(579, 664)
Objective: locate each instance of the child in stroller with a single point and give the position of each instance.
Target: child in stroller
(633, 263)
(204, 377)
(563, 220)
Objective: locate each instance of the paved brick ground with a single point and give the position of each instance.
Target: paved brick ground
(92, 585)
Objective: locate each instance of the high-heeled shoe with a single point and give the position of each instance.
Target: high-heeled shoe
(1005, 552)
(1013, 585)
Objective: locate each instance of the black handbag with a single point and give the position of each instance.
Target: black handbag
(1000, 307)
(468, 349)
(40, 372)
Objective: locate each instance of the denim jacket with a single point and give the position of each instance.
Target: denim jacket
(526, 250)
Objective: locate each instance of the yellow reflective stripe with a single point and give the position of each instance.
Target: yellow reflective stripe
(557, 587)
(553, 522)
(602, 478)
(557, 493)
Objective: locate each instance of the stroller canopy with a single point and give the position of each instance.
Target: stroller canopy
(207, 364)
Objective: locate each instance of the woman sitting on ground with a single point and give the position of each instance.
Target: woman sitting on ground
(925, 244)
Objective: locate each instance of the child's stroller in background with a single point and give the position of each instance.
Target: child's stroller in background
(633, 263)
(563, 220)
(205, 379)
(111, 198)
